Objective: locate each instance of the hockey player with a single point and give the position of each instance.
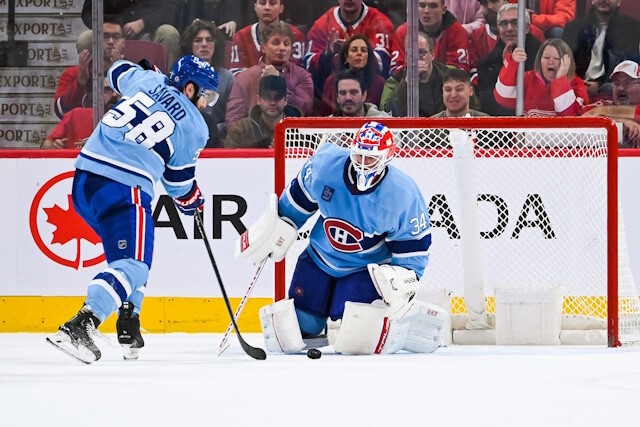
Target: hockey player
(367, 250)
(155, 132)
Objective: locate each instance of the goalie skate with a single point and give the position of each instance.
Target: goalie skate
(75, 337)
(128, 328)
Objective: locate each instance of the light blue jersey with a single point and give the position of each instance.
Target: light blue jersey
(153, 133)
(387, 224)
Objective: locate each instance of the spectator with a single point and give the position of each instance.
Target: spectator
(600, 40)
(141, 19)
(204, 40)
(395, 10)
(482, 40)
(256, 131)
(550, 89)
(228, 15)
(430, 79)
(490, 65)
(451, 40)
(351, 96)
(74, 86)
(356, 54)
(245, 47)
(456, 94)
(329, 32)
(551, 16)
(467, 12)
(76, 126)
(303, 14)
(276, 48)
(625, 107)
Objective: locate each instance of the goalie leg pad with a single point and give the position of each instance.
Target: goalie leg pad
(280, 327)
(363, 329)
(426, 329)
(269, 236)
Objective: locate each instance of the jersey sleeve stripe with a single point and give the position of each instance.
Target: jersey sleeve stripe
(564, 101)
(300, 198)
(400, 247)
(117, 71)
(178, 176)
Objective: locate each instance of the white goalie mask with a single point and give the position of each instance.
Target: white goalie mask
(371, 152)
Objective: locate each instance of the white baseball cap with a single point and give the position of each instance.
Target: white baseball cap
(628, 67)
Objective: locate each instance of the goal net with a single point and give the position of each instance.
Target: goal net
(545, 210)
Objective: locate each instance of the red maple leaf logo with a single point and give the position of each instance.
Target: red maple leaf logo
(69, 225)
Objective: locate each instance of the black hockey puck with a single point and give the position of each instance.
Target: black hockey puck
(314, 353)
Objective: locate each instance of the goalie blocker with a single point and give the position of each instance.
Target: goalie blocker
(270, 236)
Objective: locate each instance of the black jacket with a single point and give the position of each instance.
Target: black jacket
(489, 68)
(620, 43)
(153, 12)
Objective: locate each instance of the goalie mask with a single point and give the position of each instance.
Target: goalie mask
(371, 152)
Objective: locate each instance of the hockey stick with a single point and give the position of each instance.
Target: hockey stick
(256, 353)
(223, 344)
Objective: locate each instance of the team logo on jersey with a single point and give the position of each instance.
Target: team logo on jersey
(343, 236)
(57, 229)
(327, 193)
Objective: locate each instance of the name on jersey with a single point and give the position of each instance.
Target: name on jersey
(165, 98)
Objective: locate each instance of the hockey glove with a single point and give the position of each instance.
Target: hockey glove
(191, 201)
(148, 65)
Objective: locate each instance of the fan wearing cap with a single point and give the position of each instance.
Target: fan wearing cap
(256, 131)
(625, 107)
(366, 252)
(600, 39)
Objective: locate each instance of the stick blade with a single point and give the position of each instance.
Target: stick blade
(254, 352)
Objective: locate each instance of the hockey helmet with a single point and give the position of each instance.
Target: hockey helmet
(192, 69)
(371, 152)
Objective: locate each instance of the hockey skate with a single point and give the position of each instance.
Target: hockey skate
(75, 337)
(128, 328)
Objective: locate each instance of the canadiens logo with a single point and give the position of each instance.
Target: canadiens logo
(343, 236)
(57, 229)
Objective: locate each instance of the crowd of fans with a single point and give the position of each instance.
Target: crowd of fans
(281, 58)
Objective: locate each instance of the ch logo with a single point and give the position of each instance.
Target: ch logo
(343, 236)
(58, 230)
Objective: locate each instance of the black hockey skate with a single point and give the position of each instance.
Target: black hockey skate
(75, 337)
(128, 328)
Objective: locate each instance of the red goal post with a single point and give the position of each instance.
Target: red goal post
(547, 206)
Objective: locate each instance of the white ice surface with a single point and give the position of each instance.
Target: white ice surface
(180, 381)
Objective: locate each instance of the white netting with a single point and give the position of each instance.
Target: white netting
(542, 207)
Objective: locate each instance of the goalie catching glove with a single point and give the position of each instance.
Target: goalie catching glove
(269, 236)
(191, 201)
(396, 285)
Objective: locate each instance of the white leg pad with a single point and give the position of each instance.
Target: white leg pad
(364, 327)
(426, 330)
(280, 327)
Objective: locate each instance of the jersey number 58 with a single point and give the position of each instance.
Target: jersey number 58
(146, 129)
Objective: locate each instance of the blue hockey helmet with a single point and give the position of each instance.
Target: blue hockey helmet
(192, 69)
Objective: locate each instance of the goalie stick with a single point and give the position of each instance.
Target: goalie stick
(302, 235)
(223, 344)
(254, 352)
